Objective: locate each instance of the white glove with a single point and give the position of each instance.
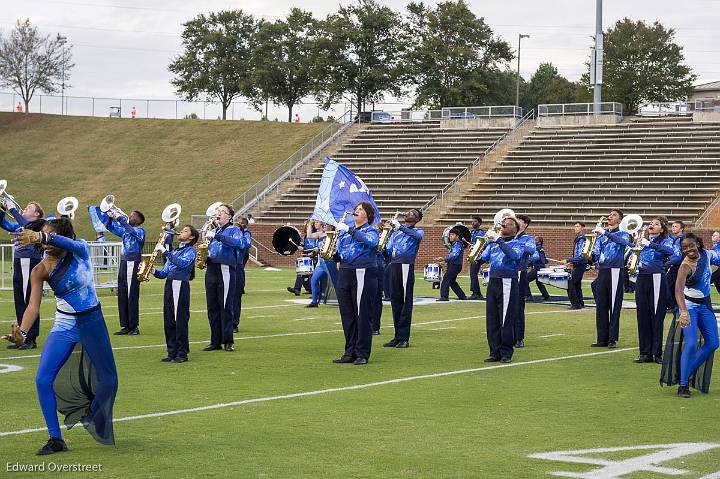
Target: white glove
(599, 230)
(161, 248)
(492, 235)
(644, 242)
(210, 234)
(111, 214)
(8, 204)
(395, 224)
(342, 227)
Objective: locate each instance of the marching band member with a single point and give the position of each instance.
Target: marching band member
(178, 271)
(503, 252)
(326, 268)
(475, 267)
(538, 261)
(715, 279)
(673, 263)
(528, 242)
(650, 288)
(24, 261)
(378, 303)
(357, 283)
(577, 264)
(226, 241)
(309, 248)
(242, 258)
(402, 248)
(609, 258)
(453, 262)
(68, 270)
(133, 240)
(692, 294)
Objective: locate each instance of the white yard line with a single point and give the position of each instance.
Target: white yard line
(355, 387)
(441, 329)
(551, 335)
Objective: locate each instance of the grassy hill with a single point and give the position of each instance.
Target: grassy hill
(146, 164)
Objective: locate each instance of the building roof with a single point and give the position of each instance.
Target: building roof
(708, 86)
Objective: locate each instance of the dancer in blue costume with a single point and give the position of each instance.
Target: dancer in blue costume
(83, 392)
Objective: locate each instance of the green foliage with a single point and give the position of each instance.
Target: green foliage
(217, 62)
(453, 58)
(643, 63)
(31, 62)
(547, 86)
(358, 54)
(284, 55)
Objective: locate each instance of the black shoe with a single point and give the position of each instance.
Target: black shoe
(28, 345)
(376, 332)
(229, 348)
(52, 446)
(643, 358)
(134, 332)
(442, 299)
(491, 359)
(574, 307)
(180, 360)
(167, 360)
(360, 361)
(391, 344)
(293, 291)
(235, 329)
(122, 332)
(658, 359)
(464, 298)
(12, 346)
(402, 344)
(520, 344)
(312, 305)
(683, 392)
(307, 292)
(476, 297)
(599, 345)
(546, 298)
(212, 347)
(344, 359)
(506, 360)
(612, 345)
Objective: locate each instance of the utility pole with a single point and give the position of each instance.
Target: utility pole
(517, 86)
(62, 40)
(596, 67)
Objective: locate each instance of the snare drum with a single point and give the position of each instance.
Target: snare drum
(304, 266)
(433, 273)
(486, 276)
(559, 279)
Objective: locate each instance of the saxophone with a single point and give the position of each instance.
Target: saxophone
(634, 260)
(385, 231)
(201, 248)
(171, 217)
(590, 240)
(476, 249)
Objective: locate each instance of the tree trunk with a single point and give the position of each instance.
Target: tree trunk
(290, 109)
(27, 106)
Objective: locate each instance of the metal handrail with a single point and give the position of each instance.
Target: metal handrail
(715, 203)
(292, 164)
(476, 162)
(563, 109)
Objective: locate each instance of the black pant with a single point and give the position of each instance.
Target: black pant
(475, 278)
(22, 267)
(239, 291)
(378, 304)
(354, 284)
(219, 290)
(303, 281)
(177, 292)
(402, 283)
(533, 276)
(575, 294)
(715, 280)
(386, 281)
(500, 314)
(651, 307)
(449, 281)
(523, 292)
(671, 278)
(608, 292)
(129, 294)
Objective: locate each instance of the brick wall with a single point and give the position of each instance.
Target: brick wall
(558, 244)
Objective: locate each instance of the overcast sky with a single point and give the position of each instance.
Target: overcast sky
(122, 48)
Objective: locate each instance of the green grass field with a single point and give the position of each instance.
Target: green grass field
(434, 410)
(146, 164)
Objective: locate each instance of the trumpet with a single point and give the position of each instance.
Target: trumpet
(329, 246)
(385, 230)
(108, 204)
(7, 198)
(590, 240)
(202, 246)
(67, 206)
(171, 218)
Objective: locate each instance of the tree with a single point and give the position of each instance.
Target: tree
(643, 63)
(454, 58)
(284, 60)
(358, 53)
(217, 61)
(547, 86)
(30, 62)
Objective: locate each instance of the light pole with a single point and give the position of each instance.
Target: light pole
(62, 40)
(597, 59)
(517, 87)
